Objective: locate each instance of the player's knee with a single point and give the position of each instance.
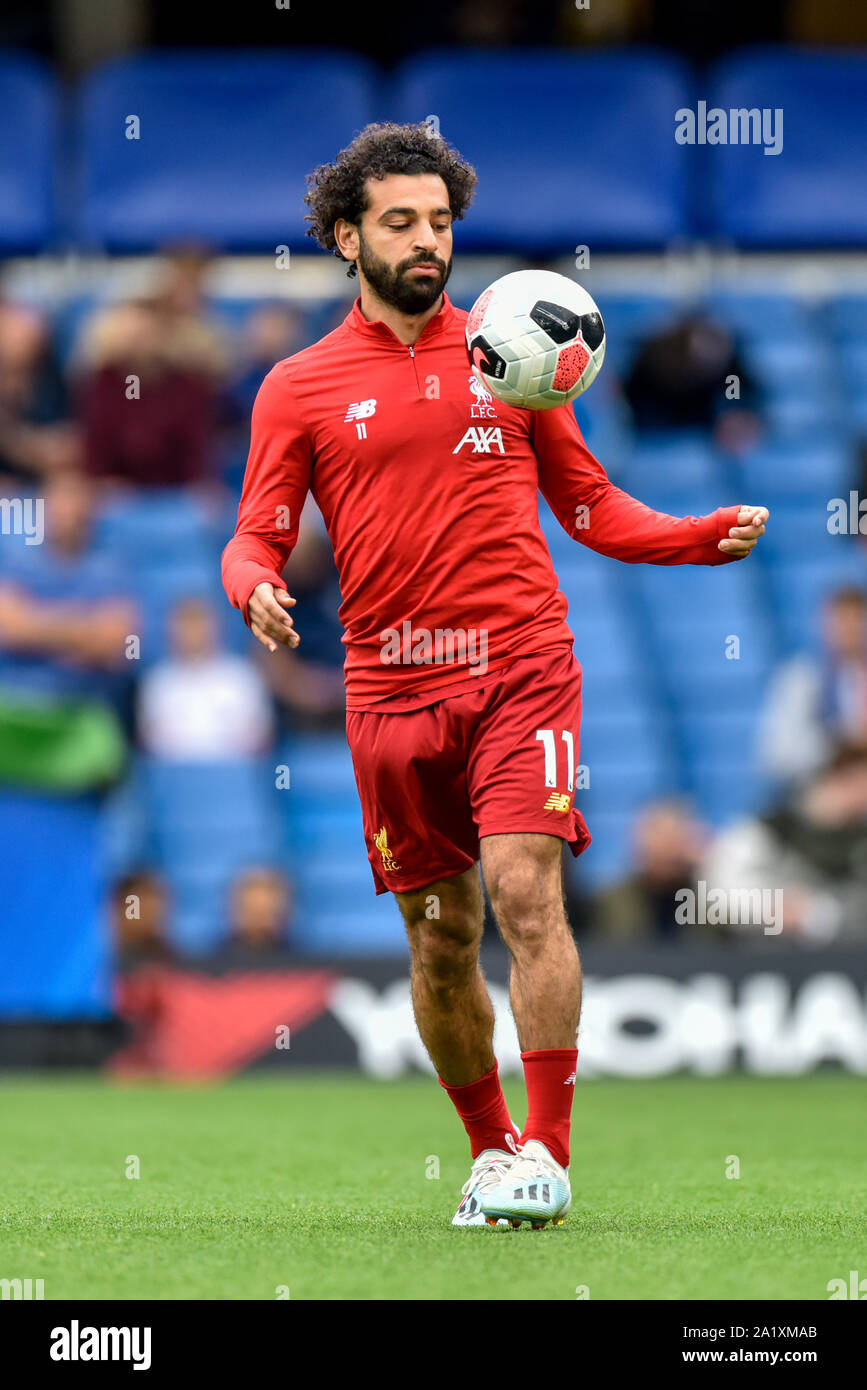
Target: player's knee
(528, 904)
(445, 953)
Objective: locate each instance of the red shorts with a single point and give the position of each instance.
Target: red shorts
(486, 761)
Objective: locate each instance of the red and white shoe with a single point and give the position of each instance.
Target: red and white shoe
(488, 1171)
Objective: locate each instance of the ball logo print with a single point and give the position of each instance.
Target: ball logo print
(535, 339)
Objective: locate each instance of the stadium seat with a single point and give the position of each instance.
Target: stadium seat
(804, 363)
(756, 314)
(848, 316)
(717, 735)
(853, 366)
(799, 589)
(29, 115)
(360, 924)
(209, 821)
(790, 417)
(811, 192)
(211, 125)
(675, 460)
(320, 769)
(798, 534)
(722, 795)
(157, 527)
(593, 181)
(53, 926)
(610, 856)
(812, 469)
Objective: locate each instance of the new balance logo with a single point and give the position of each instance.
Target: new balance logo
(482, 440)
(359, 411)
(558, 801)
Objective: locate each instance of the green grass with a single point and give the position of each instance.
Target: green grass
(320, 1185)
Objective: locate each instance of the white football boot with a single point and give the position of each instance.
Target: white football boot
(488, 1171)
(533, 1187)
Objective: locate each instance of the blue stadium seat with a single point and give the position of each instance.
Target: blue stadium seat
(800, 587)
(625, 784)
(54, 937)
(633, 731)
(159, 527)
(755, 315)
(853, 366)
(226, 142)
(694, 620)
(605, 647)
(694, 499)
(208, 794)
(799, 535)
(353, 922)
(209, 822)
(630, 318)
(673, 460)
(804, 364)
(848, 316)
(810, 469)
(722, 797)
(320, 770)
(28, 114)
(810, 193)
(717, 735)
(718, 745)
(606, 172)
(610, 856)
(790, 417)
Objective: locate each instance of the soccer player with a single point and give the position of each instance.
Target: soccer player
(463, 694)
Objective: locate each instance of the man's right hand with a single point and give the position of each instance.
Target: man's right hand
(269, 620)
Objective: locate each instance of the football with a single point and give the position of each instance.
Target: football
(535, 339)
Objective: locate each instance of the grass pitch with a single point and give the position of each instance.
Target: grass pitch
(321, 1186)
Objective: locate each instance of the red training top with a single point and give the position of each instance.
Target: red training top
(428, 488)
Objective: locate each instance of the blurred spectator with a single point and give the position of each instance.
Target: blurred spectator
(308, 683)
(679, 379)
(151, 374)
(832, 22)
(669, 844)
(617, 21)
(260, 913)
(36, 435)
(814, 704)
(273, 330)
(812, 848)
(202, 702)
(64, 620)
(140, 919)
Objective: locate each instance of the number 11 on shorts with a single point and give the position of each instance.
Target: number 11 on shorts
(549, 743)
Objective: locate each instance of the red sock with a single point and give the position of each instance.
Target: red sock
(550, 1078)
(482, 1107)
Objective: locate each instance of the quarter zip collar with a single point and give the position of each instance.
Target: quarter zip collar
(377, 331)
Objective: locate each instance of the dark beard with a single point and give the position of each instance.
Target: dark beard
(390, 284)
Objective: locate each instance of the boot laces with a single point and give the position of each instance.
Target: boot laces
(526, 1167)
(487, 1172)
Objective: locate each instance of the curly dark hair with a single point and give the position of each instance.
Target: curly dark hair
(338, 190)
